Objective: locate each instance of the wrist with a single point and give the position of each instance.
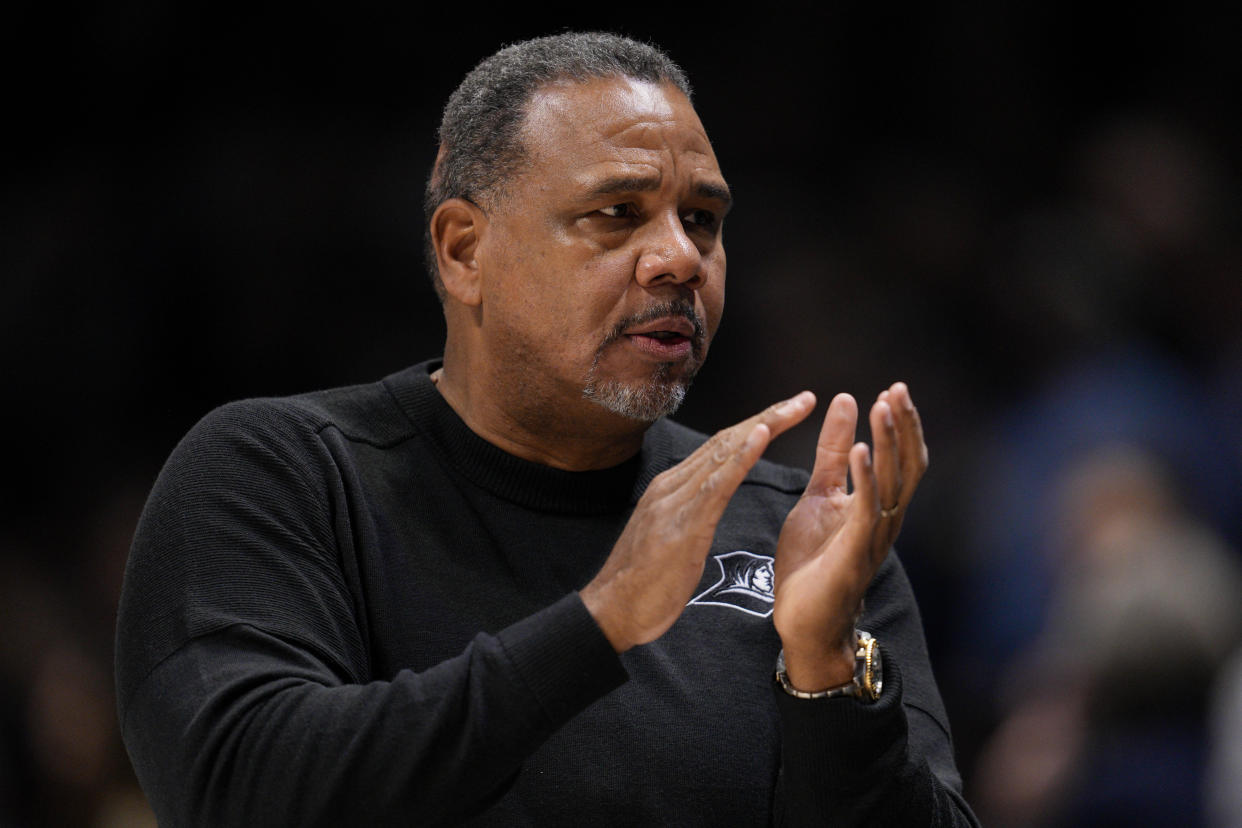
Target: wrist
(609, 623)
(819, 672)
(864, 683)
(814, 666)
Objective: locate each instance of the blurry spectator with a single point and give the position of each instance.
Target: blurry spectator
(1105, 721)
(1135, 396)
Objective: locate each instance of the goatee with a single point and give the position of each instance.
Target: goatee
(661, 394)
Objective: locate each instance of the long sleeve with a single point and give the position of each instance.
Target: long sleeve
(845, 763)
(348, 608)
(243, 679)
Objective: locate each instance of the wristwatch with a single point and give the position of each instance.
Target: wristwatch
(868, 674)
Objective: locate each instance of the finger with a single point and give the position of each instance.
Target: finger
(784, 415)
(716, 489)
(860, 527)
(865, 498)
(864, 530)
(702, 499)
(914, 455)
(722, 446)
(832, 452)
(886, 462)
(721, 464)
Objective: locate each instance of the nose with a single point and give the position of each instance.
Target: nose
(669, 255)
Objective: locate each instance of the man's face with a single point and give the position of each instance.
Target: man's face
(603, 264)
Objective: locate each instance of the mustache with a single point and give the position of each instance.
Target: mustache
(673, 307)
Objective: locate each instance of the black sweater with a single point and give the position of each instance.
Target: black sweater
(346, 608)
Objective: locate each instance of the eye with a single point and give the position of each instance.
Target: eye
(705, 219)
(625, 210)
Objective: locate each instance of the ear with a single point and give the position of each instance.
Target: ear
(456, 228)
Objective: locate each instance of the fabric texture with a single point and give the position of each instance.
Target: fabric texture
(347, 608)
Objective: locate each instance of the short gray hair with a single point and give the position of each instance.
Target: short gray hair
(480, 133)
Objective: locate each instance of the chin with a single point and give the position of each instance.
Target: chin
(642, 401)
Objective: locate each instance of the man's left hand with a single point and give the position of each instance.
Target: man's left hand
(834, 540)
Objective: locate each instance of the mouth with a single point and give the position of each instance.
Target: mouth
(667, 338)
(663, 346)
(659, 350)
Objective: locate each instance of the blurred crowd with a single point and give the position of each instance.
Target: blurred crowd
(1038, 232)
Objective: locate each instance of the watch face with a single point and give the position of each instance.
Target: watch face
(873, 670)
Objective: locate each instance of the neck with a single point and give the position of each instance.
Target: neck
(575, 435)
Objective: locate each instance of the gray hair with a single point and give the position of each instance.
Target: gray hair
(480, 133)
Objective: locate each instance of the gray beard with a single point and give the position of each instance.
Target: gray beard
(647, 402)
(662, 394)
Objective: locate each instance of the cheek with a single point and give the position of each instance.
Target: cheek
(570, 314)
(712, 295)
(564, 293)
(602, 285)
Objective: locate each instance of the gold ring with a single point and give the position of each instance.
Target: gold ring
(891, 511)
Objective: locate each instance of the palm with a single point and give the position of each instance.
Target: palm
(809, 558)
(834, 540)
(809, 529)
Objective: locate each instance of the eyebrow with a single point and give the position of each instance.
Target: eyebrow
(647, 183)
(719, 192)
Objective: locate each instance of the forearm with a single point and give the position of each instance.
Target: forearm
(241, 728)
(846, 763)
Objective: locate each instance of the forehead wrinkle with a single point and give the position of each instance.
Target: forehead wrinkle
(645, 183)
(650, 136)
(646, 150)
(665, 158)
(553, 108)
(654, 140)
(651, 133)
(622, 183)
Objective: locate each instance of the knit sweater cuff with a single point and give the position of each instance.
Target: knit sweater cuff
(563, 657)
(840, 745)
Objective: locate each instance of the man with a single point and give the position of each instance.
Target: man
(479, 590)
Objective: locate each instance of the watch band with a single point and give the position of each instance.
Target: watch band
(866, 684)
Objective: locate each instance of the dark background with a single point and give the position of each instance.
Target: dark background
(1028, 211)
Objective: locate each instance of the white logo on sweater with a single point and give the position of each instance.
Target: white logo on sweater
(745, 584)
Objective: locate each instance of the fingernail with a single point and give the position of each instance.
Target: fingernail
(888, 416)
(793, 402)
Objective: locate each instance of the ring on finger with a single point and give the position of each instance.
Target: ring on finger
(889, 512)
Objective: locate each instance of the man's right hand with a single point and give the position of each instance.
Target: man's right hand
(658, 560)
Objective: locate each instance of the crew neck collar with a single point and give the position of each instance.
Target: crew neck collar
(523, 482)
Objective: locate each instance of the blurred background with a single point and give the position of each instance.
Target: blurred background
(1028, 211)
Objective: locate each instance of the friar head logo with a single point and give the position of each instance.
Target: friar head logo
(745, 584)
